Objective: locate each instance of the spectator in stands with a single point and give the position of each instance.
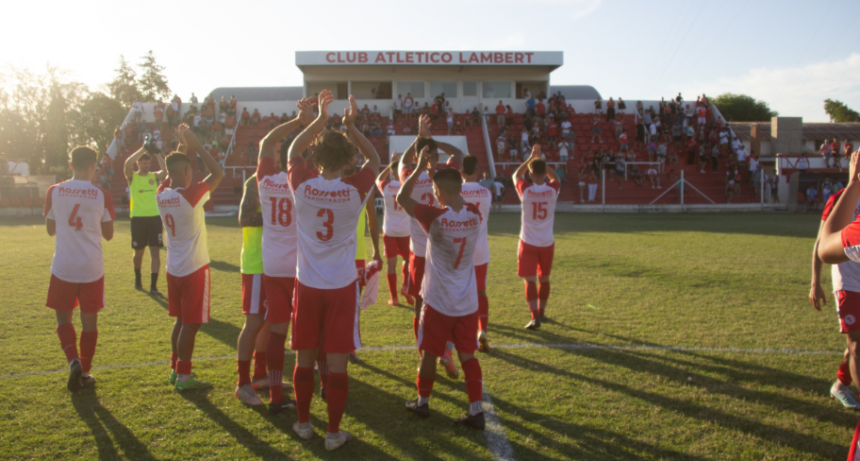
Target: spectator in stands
(596, 130)
(500, 190)
(592, 185)
(653, 177)
(551, 132)
(137, 107)
(730, 186)
(540, 109)
(255, 117)
(753, 166)
(559, 171)
(476, 120)
(376, 130)
(610, 110)
(715, 158)
(620, 169)
(439, 102)
(774, 188)
(193, 99)
(246, 117)
(636, 175)
(811, 198)
(826, 190)
(530, 106)
(490, 185)
(408, 104)
(622, 106)
(802, 163)
(703, 158)
(398, 107)
(563, 154)
(598, 106)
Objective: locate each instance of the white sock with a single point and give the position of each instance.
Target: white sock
(450, 346)
(476, 407)
(423, 400)
(180, 378)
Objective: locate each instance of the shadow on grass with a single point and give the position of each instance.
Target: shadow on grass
(223, 266)
(225, 332)
(100, 422)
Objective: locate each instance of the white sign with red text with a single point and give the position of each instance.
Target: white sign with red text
(459, 58)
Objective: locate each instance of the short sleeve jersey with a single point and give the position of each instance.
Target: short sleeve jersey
(423, 194)
(845, 276)
(538, 211)
(184, 221)
(327, 214)
(395, 223)
(449, 284)
(279, 220)
(481, 197)
(78, 208)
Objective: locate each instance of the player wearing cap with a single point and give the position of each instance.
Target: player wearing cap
(478, 195)
(146, 227)
(395, 232)
(79, 214)
(180, 204)
(450, 308)
(326, 297)
(537, 244)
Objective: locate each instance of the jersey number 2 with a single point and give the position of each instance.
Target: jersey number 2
(281, 211)
(75, 220)
(329, 230)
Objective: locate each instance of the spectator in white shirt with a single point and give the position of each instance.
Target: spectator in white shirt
(562, 151)
(398, 107)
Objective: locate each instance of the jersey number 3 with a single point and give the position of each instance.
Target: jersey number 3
(329, 230)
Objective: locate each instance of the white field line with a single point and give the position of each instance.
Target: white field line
(497, 439)
(736, 350)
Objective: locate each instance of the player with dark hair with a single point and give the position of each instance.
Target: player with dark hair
(85, 215)
(478, 195)
(326, 299)
(395, 231)
(180, 204)
(450, 308)
(537, 243)
(146, 226)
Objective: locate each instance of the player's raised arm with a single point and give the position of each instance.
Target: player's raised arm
(383, 175)
(520, 172)
(404, 196)
(449, 149)
(128, 167)
(306, 137)
(305, 117)
(830, 246)
(161, 175)
(551, 174)
(216, 174)
(249, 216)
(364, 146)
(409, 155)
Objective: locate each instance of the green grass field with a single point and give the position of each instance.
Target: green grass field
(709, 281)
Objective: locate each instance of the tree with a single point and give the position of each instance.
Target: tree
(152, 82)
(839, 112)
(743, 108)
(123, 87)
(96, 120)
(56, 139)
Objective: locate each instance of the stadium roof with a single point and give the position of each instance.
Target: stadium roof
(271, 93)
(811, 131)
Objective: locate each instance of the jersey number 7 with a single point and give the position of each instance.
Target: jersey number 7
(462, 243)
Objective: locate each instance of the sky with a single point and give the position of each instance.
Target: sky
(792, 54)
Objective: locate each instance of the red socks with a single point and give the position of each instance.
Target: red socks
(392, 285)
(844, 373)
(483, 312)
(424, 385)
(244, 367)
(173, 359)
(336, 393)
(474, 380)
(183, 367)
(88, 349)
(543, 296)
(68, 340)
(303, 386)
(260, 370)
(275, 359)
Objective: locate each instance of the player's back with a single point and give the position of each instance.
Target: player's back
(395, 222)
(423, 194)
(482, 198)
(184, 220)
(538, 211)
(78, 207)
(279, 221)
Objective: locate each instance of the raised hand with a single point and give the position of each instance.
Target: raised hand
(350, 113)
(852, 169)
(324, 99)
(535, 152)
(181, 130)
(394, 156)
(424, 126)
(424, 158)
(306, 111)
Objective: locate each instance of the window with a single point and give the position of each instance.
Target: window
(416, 88)
(338, 88)
(495, 90)
(470, 88)
(449, 88)
(371, 90)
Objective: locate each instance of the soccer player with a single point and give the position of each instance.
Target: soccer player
(482, 198)
(279, 253)
(180, 204)
(146, 227)
(85, 215)
(450, 308)
(395, 232)
(423, 193)
(326, 293)
(537, 244)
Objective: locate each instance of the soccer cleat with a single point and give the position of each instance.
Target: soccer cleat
(322, 394)
(354, 358)
(542, 318)
(154, 291)
(138, 287)
(448, 362)
(278, 408)
(262, 383)
(75, 372)
(423, 411)
(473, 421)
(842, 393)
(534, 324)
(393, 302)
(335, 441)
(191, 383)
(409, 299)
(172, 379)
(87, 380)
(483, 342)
(247, 395)
(304, 430)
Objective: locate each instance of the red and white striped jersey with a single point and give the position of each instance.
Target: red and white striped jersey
(482, 198)
(327, 219)
(280, 243)
(538, 211)
(184, 221)
(449, 283)
(395, 223)
(79, 208)
(423, 194)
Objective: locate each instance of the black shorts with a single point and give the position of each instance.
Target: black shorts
(147, 231)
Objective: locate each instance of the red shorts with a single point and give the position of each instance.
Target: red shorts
(395, 246)
(481, 276)
(849, 310)
(326, 319)
(532, 260)
(359, 270)
(279, 298)
(436, 329)
(416, 274)
(253, 294)
(64, 296)
(188, 296)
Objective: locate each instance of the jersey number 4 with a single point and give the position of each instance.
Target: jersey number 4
(75, 220)
(281, 211)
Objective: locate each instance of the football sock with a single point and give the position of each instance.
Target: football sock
(303, 386)
(483, 312)
(531, 297)
(244, 367)
(392, 285)
(68, 340)
(88, 349)
(543, 296)
(450, 346)
(153, 281)
(183, 370)
(137, 279)
(275, 358)
(260, 370)
(173, 359)
(844, 373)
(336, 393)
(474, 385)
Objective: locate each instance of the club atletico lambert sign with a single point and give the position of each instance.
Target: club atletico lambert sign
(424, 58)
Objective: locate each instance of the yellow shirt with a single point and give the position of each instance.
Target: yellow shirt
(252, 244)
(143, 188)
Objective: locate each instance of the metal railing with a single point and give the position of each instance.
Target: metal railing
(488, 147)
